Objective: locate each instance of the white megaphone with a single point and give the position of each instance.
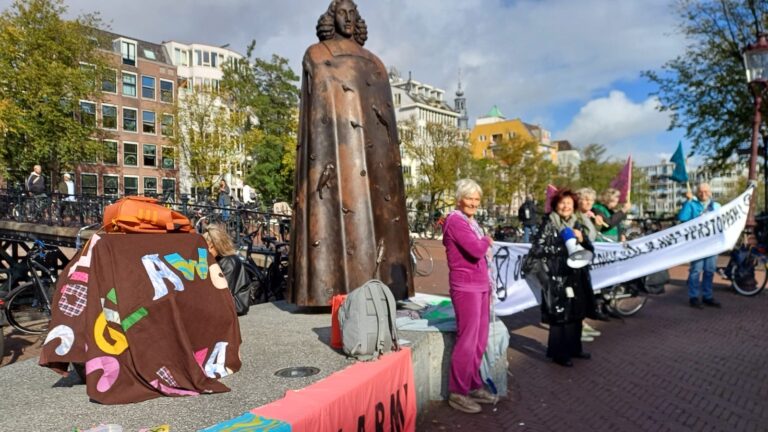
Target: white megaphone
(578, 257)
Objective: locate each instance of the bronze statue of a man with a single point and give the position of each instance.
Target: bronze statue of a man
(349, 223)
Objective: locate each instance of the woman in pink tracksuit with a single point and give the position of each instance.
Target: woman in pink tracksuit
(467, 250)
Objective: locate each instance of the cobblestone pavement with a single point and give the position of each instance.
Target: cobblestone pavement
(668, 368)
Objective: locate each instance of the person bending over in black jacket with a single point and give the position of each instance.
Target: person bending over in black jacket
(221, 247)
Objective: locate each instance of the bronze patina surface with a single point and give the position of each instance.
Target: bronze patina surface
(349, 223)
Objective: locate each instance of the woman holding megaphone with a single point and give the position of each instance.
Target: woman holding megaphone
(558, 263)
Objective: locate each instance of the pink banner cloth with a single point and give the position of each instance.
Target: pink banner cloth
(378, 395)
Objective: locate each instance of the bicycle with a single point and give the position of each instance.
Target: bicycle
(747, 270)
(421, 259)
(271, 274)
(433, 228)
(624, 299)
(27, 306)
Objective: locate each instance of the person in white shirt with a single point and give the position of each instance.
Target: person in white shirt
(67, 187)
(247, 194)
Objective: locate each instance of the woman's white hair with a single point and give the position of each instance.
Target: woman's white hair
(466, 187)
(587, 192)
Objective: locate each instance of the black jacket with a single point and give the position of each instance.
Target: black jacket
(545, 268)
(238, 281)
(527, 218)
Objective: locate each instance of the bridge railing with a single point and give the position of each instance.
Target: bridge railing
(77, 211)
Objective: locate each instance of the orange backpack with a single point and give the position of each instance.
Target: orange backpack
(135, 214)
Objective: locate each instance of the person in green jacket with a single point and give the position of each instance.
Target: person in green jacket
(607, 218)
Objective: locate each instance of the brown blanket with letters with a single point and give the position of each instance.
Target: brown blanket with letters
(148, 315)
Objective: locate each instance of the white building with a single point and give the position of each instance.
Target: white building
(424, 104)
(201, 66)
(666, 196)
(568, 157)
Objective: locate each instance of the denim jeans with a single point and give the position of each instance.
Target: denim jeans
(528, 231)
(708, 267)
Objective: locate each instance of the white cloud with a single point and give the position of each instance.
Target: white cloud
(525, 56)
(613, 119)
(535, 59)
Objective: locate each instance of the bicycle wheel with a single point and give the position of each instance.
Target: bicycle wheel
(29, 309)
(422, 260)
(626, 300)
(761, 277)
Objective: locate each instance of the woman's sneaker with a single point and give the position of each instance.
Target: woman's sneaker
(586, 337)
(589, 331)
(463, 403)
(483, 396)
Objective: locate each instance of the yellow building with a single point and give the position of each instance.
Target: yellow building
(494, 127)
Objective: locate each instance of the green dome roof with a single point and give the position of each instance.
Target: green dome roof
(495, 112)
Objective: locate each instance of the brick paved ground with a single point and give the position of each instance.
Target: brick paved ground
(669, 368)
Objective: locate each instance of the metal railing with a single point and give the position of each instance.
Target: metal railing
(57, 210)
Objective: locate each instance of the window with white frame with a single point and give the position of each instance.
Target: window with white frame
(169, 188)
(111, 184)
(108, 116)
(88, 113)
(131, 185)
(168, 161)
(181, 57)
(150, 155)
(166, 91)
(89, 184)
(129, 84)
(150, 186)
(110, 152)
(109, 81)
(128, 51)
(129, 119)
(199, 57)
(130, 154)
(147, 87)
(166, 125)
(148, 122)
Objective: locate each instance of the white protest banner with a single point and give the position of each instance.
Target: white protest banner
(709, 234)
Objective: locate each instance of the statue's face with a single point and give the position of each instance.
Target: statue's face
(346, 16)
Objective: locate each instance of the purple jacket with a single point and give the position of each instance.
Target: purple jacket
(467, 265)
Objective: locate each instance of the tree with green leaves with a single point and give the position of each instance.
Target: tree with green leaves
(704, 89)
(596, 170)
(521, 168)
(213, 135)
(47, 65)
(438, 152)
(267, 90)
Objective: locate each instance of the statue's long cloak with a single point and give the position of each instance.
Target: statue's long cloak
(349, 223)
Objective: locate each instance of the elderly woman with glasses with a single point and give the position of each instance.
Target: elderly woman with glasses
(467, 251)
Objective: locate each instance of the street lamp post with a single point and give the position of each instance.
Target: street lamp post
(756, 65)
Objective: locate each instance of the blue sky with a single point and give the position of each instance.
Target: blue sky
(572, 66)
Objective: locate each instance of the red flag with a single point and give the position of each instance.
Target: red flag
(623, 181)
(551, 191)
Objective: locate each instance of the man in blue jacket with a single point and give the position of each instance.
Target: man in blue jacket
(691, 209)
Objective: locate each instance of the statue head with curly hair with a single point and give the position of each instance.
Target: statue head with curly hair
(342, 20)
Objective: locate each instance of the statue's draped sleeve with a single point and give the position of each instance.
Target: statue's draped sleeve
(350, 221)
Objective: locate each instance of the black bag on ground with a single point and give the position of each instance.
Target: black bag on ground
(654, 282)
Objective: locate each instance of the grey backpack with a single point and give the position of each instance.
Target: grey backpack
(367, 321)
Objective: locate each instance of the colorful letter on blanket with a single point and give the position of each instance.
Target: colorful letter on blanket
(158, 272)
(188, 267)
